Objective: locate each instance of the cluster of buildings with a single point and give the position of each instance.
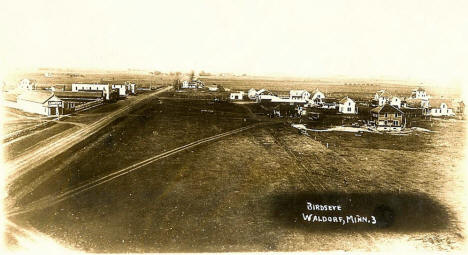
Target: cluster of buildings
(302, 98)
(56, 100)
(387, 112)
(391, 112)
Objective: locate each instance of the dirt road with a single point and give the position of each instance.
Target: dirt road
(21, 165)
(52, 200)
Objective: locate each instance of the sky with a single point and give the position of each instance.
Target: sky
(421, 40)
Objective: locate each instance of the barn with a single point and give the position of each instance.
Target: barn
(44, 103)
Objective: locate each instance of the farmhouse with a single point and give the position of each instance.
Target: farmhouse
(237, 95)
(196, 84)
(44, 103)
(318, 96)
(26, 84)
(388, 118)
(419, 93)
(299, 95)
(265, 95)
(381, 97)
(347, 106)
(252, 94)
(395, 101)
(188, 85)
(440, 108)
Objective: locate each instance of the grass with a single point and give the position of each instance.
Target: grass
(224, 196)
(145, 132)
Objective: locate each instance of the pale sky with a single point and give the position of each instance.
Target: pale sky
(401, 39)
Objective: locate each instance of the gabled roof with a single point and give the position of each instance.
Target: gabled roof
(435, 103)
(384, 93)
(419, 89)
(342, 101)
(387, 109)
(36, 96)
(264, 92)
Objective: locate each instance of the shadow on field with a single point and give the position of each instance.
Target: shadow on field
(386, 212)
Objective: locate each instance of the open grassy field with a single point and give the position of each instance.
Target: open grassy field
(360, 90)
(246, 192)
(67, 77)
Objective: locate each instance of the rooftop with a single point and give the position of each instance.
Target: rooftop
(36, 96)
(386, 109)
(79, 94)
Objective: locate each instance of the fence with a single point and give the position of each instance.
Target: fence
(87, 105)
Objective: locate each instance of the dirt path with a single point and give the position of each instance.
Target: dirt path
(52, 200)
(21, 165)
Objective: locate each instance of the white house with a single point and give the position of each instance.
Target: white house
(347, 106)
(440, 108)
(105, 88)
(264, 94)
(193, 84)
(237, 95)
(188, 85)
(419, 93)
(212, 88)
(299, 95)
(395, 101)
(318, 96)
(252, 94)
(26, 84)
(382, 97)
(44, 103)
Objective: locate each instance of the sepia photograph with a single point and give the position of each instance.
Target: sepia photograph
(233, 126)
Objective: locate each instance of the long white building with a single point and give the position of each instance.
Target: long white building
(105, 88)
